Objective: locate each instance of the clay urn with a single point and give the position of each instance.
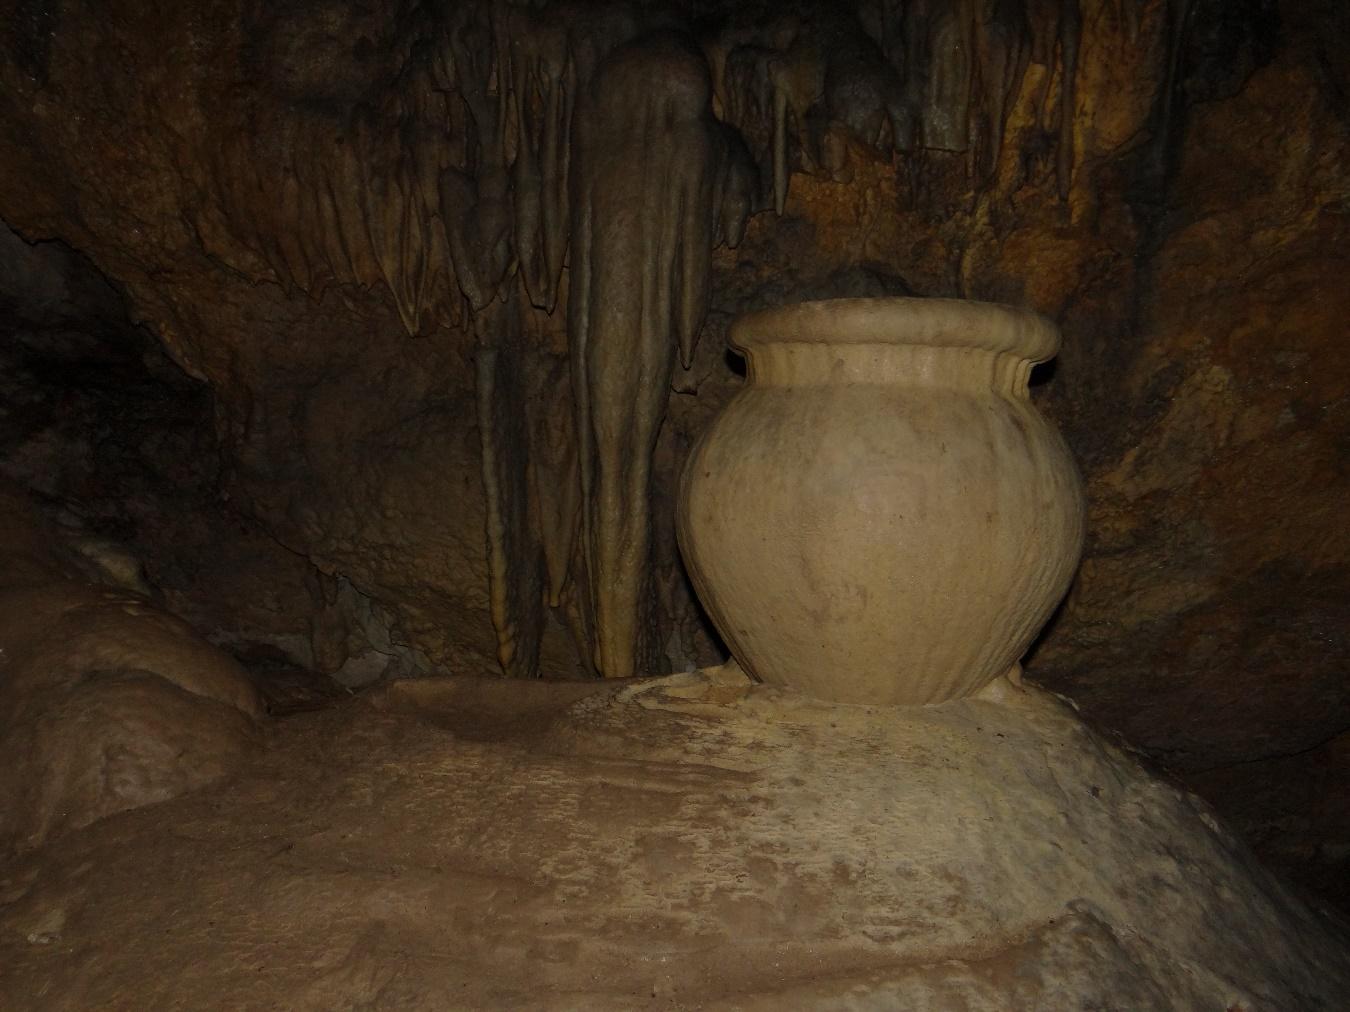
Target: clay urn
(881, 515)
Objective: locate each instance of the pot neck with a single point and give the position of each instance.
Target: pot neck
(802, 364)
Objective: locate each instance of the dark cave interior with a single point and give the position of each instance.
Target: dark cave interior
(348, 347)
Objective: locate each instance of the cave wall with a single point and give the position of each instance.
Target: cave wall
(371, 249)
(118, 446)
(344, 437)
(354, 226)
(1209, 622)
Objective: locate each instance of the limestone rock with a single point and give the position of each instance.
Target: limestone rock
(118, 447)
(105, 702)
(1208, 624)
(689, 842)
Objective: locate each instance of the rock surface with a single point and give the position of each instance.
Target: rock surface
(106, 703)
(688, 842)
(1209, 623)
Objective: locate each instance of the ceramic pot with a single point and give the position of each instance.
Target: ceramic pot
(880, 515)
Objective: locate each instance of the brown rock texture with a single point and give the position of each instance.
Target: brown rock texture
(1219, 562)
(117, 446)
(1234, 477)
(386, 494)
(689, 842)
(106, 704)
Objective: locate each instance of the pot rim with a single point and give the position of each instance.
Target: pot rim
(933, 323)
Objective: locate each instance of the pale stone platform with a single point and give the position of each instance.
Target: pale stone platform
(687, 842)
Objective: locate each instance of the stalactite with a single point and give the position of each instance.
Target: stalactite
(1070, 33)
(1044, 18)
(346, 186)
(384, 228)
(476, 201)
(543, 89)
(320, 210)
(553, 467)
(1056, 29)
(735, 196)
(964, 63)
(1129, 16)
(1002, 51)
(798, 88)
(645, 165)
(1170, 97)
(516, 575)
(798, 77)
(862, 95)
(947, 94)
(748, 93)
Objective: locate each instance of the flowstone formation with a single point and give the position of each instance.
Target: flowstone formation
(689, 842)
(655, 175)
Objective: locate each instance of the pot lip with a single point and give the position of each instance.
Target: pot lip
(933, 323)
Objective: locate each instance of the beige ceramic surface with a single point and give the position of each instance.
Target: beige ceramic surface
(881, 515)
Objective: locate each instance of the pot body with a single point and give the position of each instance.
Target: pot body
(880, 521)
